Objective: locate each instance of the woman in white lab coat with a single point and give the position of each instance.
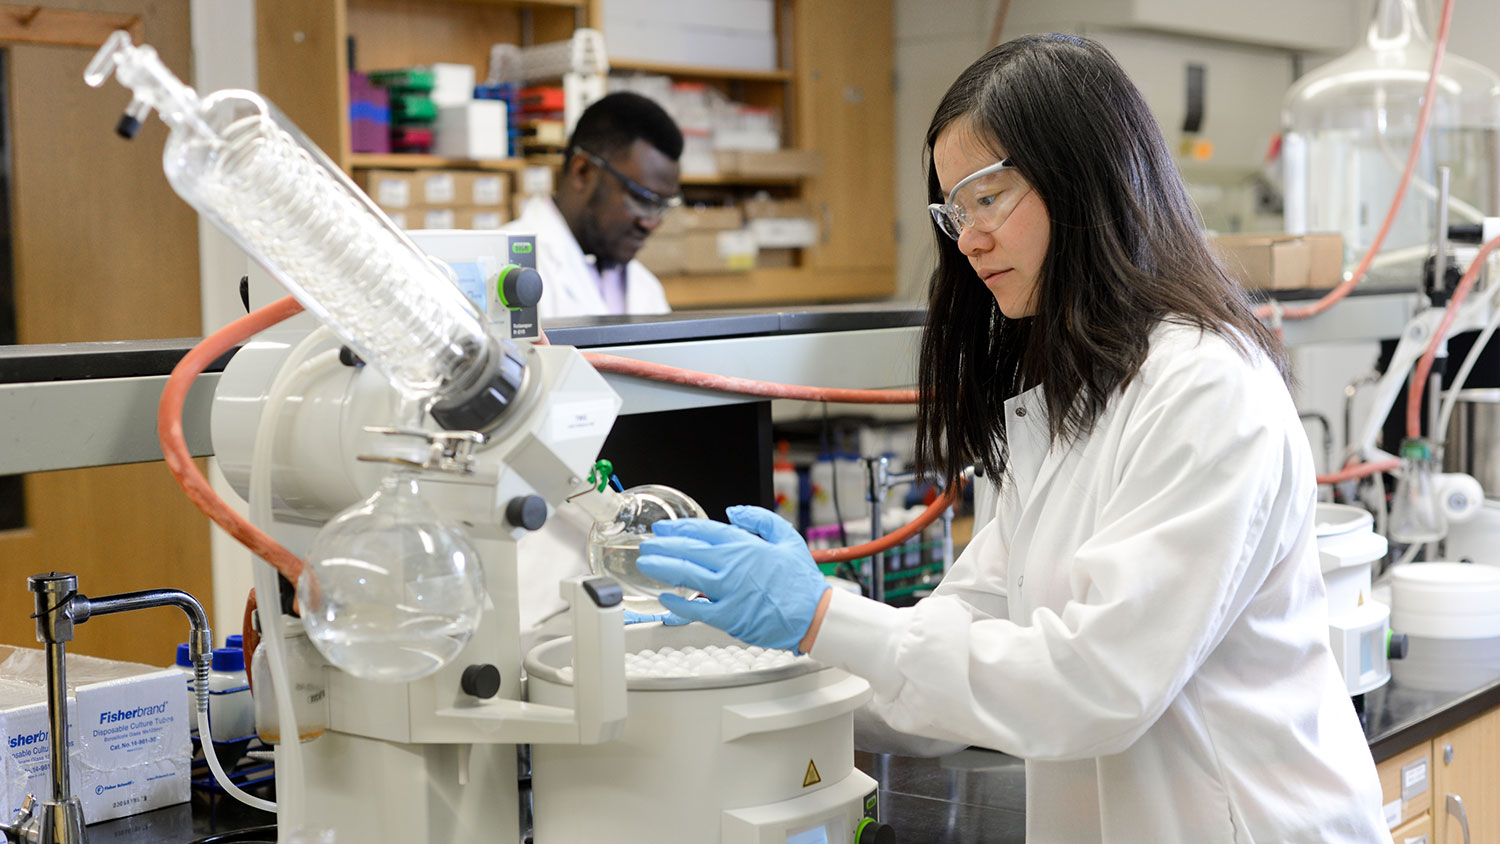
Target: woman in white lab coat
(1143, 619)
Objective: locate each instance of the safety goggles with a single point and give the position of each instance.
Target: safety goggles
(983, 200)
(642, 201)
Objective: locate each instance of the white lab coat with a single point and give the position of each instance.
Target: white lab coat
(570, 285)
(1143, 621)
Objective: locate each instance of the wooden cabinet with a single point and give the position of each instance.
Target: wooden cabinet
(1418, 830)
(1406, 783)
(833, 90)
(1466, 763)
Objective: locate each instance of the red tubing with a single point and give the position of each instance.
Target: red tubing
(1360, 470)
(746, 386)
(174, 445)
(892, 539)
(1428, 96)
(1424, 366)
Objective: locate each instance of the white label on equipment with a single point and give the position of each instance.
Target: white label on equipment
(1393, 814)
(579, 419)
(1413, 779)
(1416, 839)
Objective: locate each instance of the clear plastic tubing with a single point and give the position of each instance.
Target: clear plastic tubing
(242, 164)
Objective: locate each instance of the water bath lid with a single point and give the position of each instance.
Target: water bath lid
(1339, 519)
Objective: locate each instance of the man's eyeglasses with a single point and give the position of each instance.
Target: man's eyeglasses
(641, 200)
(982, 201)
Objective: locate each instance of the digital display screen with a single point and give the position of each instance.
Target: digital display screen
(1367, 652)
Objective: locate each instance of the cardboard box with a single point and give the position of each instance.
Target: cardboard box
(128, 744)
(1283, 261)
(391, 189)
(663, 254)
(718, 251)
(481, 189)
(699, 219)
(425, 217)
(756, 209)
(783, 163)
(486, 218)
(784, 232)
(767, 259)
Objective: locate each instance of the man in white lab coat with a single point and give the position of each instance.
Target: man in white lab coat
(619, 177)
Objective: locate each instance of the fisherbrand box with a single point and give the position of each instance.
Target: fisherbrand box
(128, 744)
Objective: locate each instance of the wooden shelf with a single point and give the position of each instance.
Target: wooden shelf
(571, 4)
(731, 180)
(781, 285)
(701, 71)
(413, 161)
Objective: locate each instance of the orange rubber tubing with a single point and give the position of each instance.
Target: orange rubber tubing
(1424, 366)
(745, 386)
(174, 446)
(894, 538)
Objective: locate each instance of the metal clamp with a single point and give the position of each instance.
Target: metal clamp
(447, 451)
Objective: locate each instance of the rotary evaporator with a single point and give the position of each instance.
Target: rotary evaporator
(393, 453)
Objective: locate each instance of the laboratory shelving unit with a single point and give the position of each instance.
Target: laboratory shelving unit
(832, 86)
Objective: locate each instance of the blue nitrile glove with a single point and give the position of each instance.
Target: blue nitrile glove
(762, 585)
(670, 619)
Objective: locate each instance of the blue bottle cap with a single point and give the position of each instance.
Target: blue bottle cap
(235, 640)
(184, 655)
(229, 659)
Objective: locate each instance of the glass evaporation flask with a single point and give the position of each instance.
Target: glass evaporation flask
(622, 521)
(1348, 128)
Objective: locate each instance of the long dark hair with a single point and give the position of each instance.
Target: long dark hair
(1126, 252)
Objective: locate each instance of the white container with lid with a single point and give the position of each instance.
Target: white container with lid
(1446, 600)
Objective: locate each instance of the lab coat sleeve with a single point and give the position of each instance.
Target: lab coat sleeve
(977, 581)
(1181, 543)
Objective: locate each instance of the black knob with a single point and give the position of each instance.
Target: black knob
(520, 287)
(527, 511)
(347, 357)
(127, 127)
(1396, 645)
(875, 832)
(481, 681)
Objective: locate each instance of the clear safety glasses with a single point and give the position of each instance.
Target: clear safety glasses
(642, 201)
(983, 200)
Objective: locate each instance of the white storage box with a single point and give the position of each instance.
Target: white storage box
(475, 129)
(128, 745)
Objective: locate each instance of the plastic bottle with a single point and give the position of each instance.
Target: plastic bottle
(184, 666)
(304, 669)
(784, 484)
(821, 478)
(854, 486)
(231, 715)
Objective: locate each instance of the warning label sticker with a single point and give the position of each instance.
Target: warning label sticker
(811, 777)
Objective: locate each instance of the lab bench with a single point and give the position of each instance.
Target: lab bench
(980, 795)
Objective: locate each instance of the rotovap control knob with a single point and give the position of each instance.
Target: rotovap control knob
(527, 511)
(872, 831)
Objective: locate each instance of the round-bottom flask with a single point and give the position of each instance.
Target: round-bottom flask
(391, 592)
(615, 540)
